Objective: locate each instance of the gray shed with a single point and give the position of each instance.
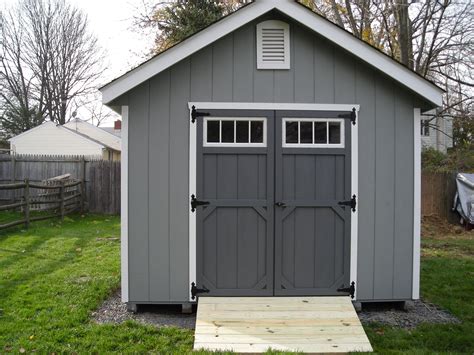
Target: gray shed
(272, 153)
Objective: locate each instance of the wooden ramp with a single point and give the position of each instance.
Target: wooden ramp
(256, 324)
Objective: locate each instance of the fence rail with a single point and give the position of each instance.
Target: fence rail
(65, 204)
(101, 178)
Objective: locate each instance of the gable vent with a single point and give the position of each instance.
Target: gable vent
(273, 45)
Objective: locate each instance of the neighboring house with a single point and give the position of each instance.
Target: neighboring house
(271, 153)
(436, 133)
(75, 138)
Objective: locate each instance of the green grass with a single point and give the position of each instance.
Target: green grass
(55, 274)
(447, 279)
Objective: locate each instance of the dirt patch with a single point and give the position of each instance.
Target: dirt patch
(114, 311)
(438, 228)
(417, 312)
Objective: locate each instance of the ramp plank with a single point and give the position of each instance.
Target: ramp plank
(257, 324)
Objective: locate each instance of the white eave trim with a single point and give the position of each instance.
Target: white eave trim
(250, 12)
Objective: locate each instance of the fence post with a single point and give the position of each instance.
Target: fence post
(26, 197)
(13, 176)
(81, 201)
(61, 203)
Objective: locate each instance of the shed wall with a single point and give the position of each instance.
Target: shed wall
(226, 71)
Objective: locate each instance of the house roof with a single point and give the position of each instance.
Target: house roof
(95, 133)
(69, 130)
(252, 11)
(64, 129)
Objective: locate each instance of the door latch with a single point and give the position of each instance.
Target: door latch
(352, 203)
(350, 290)
(195, 203)
(280, 204)
(195, 291)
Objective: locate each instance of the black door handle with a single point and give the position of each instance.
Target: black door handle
(280, 204)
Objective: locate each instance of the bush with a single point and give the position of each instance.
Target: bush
(457, 160)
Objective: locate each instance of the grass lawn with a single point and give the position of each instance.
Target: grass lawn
(55, 274)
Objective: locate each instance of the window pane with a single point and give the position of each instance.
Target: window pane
(334, 132)
(227, 131)
(213, 131)
(306, 132)
(320, 132)
(242, 131)
(256, 131)
(291, 132)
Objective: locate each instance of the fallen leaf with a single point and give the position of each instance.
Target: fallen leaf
(78, 250)
(32, 337)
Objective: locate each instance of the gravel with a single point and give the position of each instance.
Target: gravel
(114, 311)
(417, 312)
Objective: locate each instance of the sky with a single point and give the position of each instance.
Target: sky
(112, 22)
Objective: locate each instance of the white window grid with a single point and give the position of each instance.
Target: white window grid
(313, 145)
(235, 144)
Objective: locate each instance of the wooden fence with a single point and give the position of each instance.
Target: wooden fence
(437, 195)
(57, 204)
(101, 177)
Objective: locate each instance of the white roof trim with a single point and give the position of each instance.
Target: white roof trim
(252, 11)
(12, 139)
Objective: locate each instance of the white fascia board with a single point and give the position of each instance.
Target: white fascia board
(300, 14)
(183, 50)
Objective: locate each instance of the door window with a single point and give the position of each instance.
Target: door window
(313, 133)
(235, 132)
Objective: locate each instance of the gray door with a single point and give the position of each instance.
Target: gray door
(235, 231)
(312, 232)
(273, 225)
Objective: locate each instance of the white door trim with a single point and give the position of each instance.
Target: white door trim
(273, 107)
(416, 203)
(124, 207)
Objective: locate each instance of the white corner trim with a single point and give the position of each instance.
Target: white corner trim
(416, 204)
(192, 190)
(249, 13)
(354, 191)
(124, 207)
(273, 106)
(277, 62)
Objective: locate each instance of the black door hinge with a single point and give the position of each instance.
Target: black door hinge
(195, 203)
(352, 203)
(195, 114)
(196, 291)
(351, 115)
(350, 290)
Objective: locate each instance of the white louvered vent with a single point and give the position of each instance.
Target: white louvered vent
(273, 45)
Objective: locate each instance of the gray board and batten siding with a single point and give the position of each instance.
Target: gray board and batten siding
(225, 71)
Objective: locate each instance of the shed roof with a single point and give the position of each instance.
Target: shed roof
(252, 11)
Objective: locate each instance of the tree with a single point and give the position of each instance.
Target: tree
(174, 21)
(49, 58)
(434, 38)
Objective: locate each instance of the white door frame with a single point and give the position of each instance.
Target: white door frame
(272, 107)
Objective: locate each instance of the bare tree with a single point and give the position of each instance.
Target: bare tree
(49, 58)
(434, 38)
